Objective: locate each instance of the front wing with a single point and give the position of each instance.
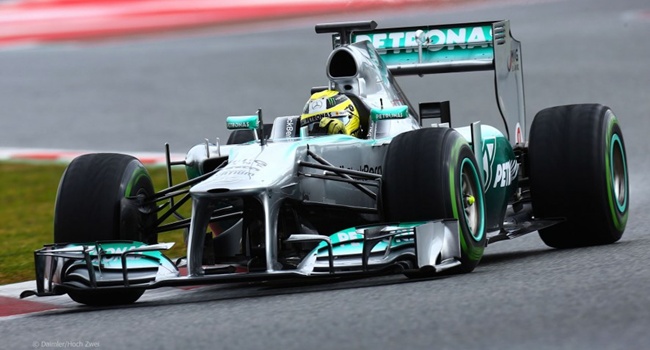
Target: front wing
(433, 246)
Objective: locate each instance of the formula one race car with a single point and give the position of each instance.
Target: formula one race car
(279, 202)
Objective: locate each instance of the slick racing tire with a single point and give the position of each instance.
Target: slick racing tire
(91, 206)
(431, 174)
(90, 203)
(578, 171)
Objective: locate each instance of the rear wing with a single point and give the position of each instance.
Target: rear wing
(464, 47)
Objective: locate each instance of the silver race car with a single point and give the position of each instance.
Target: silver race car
(412, 193)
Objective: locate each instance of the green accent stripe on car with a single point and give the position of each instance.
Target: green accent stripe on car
(136, 260)
(191, 172)
(350, 235)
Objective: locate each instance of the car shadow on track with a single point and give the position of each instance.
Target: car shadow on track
(212, 293)
(497, 258)
(510, 256)
(221, 292)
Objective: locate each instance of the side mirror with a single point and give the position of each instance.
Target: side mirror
(399, 112)
(246, 122)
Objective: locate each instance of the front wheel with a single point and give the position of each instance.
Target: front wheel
(101, 197)
(92, 201)
(432, 174)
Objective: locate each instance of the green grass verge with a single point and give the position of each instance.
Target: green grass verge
(27, 194)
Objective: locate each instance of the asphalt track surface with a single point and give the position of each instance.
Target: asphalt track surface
(178, 89)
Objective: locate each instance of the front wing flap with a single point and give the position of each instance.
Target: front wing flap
(422, 245)
(99, 265)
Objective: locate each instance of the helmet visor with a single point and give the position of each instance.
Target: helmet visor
(313, 122)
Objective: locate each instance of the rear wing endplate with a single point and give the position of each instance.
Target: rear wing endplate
(464, 47)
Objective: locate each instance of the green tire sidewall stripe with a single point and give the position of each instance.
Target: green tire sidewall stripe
(137, 174)
(452, 176)
(616, 209)
(472, 252)
(481, 229)
(616, 143)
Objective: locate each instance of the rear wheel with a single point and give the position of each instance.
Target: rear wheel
(92, 205)
(578, 171)
(431, 174)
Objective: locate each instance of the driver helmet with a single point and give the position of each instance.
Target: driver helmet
(326, 103)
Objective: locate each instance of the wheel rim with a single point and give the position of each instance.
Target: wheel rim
(619, 173)
(472, 199)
